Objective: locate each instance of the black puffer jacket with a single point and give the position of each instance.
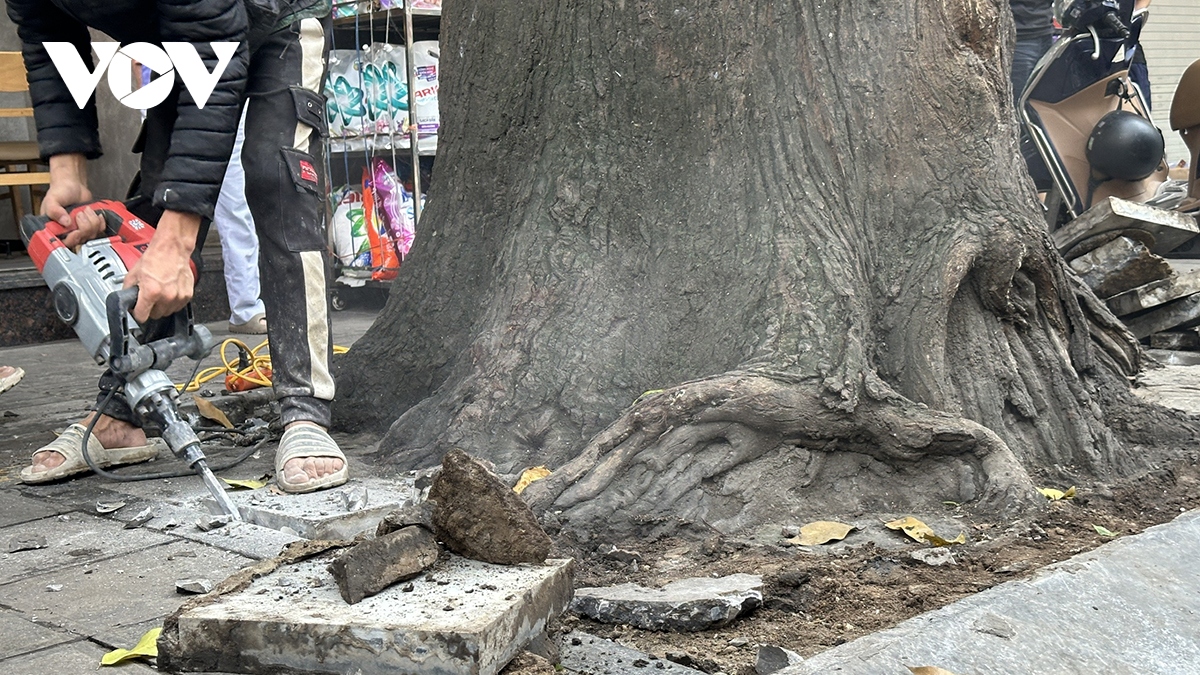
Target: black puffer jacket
(202, 138)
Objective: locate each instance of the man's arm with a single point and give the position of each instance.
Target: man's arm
(62, 128)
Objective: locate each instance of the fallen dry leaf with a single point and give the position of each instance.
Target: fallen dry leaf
(211, 412)
(147, 646)
(250, 484)
(1104, 531)
(529, 476)
(821, 532)
(921, 532)
(929, 670)
(1055, 495)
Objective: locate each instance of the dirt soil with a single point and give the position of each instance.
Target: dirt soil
(814, 599)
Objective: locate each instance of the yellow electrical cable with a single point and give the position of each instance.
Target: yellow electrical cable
(253, 373)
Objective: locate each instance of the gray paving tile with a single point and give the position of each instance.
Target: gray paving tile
(109, 600)
(16, 508)
(19, 635)
(73, 539)
(71, 659)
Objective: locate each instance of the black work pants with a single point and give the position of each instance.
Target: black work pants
(282, 157)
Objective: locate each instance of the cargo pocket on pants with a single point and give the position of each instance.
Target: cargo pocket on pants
(303, 227)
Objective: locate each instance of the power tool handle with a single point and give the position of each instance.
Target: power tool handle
(118, 305)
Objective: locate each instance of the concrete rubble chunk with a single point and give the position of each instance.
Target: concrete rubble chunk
(144, 516)
(686, 605)
(375, 564)
(585, 653)
(354, 498)
(1179, 312)
(209, 523)
(1176, 340)
(935, 557)
(1155, 293)
(478, 517)
(1170, 229)
(771, 659)
(1118, 266)
(420, 513)
(280, 622)
(194, 586)
(27, 543)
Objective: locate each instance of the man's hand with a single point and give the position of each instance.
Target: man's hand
(163, 275)
(68, 187)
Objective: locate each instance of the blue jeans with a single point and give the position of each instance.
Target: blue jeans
(1025, 57)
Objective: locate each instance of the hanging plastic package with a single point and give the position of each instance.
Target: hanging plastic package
(384, 260)
(393, 67)
(344, 90)
(375, 93)
(350, 242)
(390, 203)
(425, 60)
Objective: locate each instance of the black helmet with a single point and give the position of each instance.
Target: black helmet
(1125, 146)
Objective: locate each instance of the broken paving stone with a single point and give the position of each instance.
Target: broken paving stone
(771, 659)
(1118, 266)
(354, 499)
(478, 517)
(194, 586)
(1167, 229)
(27, 543)
(143, 517)
(108, 507)
(371, 566)
(1181, 312)
(420, 513)
(585, 653)
(208, 523)
(622, 555)
(1178, 285)
(936, 557)
(690, 604)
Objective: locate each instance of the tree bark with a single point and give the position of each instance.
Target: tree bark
(726, 263)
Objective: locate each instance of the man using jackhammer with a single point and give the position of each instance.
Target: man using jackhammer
(276, 73)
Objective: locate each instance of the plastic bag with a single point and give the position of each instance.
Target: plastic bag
(384, 260)
(395, 206)
(350, 242)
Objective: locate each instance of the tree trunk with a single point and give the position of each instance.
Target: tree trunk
(730, 263)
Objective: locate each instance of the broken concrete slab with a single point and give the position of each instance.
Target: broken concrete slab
(328, 514)
(478, 516)
(463, 616)
(692, 604)
(197, 586)
(1182, 340)
(1170, 229)
(1177, 313)
(1118, 266)
(1126, 607)
(373, 565)
(1168, 357)
(771, 659)
(419, 513)
(587, 654)
(1155, 293)
(74, 538)
(107, 599)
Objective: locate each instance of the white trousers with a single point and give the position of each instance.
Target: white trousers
(239, 243)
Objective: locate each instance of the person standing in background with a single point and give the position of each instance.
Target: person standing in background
(239, 246)
(1034, 20)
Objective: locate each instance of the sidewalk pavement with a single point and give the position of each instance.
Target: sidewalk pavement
(95, 585)
(1129, 607)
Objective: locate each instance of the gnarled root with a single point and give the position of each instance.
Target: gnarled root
(741, 449)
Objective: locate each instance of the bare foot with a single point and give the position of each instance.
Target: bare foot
(303, 469)
(111, 433)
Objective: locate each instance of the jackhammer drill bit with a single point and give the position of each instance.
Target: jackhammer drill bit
(184, 442)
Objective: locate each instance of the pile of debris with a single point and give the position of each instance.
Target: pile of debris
(1117, 247)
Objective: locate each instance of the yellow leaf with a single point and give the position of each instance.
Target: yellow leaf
(821, 532)
(529, 476)
(1055, 495)
(921, 532)
(248, 484)
(929, 670)
(1104, 531)
(147, 646)
(211, 412)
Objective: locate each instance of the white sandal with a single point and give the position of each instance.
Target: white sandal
(9, 381)
(309, 440)
(257, 325)
(70, 446)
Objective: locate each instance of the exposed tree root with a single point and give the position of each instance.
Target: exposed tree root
(736, 449)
